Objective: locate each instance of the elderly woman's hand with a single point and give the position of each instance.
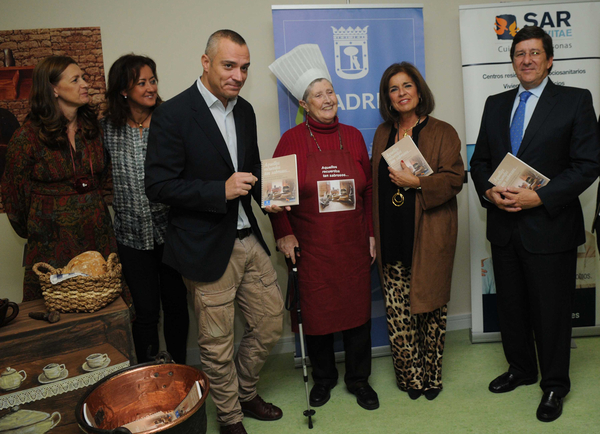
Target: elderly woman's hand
(286, 245)
(404, 177)
(372, 249)
(274, 209)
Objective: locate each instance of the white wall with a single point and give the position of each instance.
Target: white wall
(174, 34)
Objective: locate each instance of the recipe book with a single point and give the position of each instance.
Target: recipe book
(512, 172)
(406, 150)
(279, 185)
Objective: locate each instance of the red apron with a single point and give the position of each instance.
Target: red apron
(330, 225)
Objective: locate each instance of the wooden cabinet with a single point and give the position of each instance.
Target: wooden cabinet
(29, 345)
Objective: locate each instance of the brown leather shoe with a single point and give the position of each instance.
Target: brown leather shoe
(261, 410)
(236, 428)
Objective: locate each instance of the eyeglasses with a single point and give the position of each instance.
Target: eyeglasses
(534, 54)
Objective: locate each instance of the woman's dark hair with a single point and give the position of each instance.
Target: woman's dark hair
(426, 101)
(45, 113)
(123, 75)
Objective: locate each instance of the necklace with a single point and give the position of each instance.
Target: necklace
(315, 139)
(407, 129)
(398, 197)
(82, 184)
(140, 125)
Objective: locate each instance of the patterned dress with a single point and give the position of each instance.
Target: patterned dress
(38, 189)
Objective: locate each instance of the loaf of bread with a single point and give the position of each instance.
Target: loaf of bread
(90, 263)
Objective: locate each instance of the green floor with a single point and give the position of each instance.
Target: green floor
(464, 406)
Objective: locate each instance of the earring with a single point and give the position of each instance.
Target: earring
(125, 96)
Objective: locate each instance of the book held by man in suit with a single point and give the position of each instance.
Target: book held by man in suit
(512, 172)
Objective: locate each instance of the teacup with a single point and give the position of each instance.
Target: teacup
(53, 370)
(96, 360)
(4, 305)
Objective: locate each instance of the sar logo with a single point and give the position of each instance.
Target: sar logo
(506, 26)
(351, 52)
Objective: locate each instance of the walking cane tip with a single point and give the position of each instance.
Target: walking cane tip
(309, 414)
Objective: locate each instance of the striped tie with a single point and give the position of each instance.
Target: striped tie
(516, 128)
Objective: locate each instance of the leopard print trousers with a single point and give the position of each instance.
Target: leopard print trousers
(417, 341)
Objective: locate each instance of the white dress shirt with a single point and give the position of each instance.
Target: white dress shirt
(531, 102)
(225, 121)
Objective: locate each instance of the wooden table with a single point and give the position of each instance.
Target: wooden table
(29, 345)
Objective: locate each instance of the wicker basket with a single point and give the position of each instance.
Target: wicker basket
(81, 293)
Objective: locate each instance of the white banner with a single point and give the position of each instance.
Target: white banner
(486, 37)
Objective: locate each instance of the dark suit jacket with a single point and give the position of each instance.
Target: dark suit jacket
(596, 220)
(187, 164)
(561, 142)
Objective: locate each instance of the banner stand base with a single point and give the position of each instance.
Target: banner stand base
(483, 338)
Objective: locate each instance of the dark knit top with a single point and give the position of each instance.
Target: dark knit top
(398, 223)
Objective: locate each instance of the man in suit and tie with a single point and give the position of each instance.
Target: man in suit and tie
(203, 161)
(534, 234)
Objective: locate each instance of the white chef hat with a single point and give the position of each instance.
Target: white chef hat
(299, 68)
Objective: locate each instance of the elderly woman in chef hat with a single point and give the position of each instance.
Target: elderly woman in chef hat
(332, 225)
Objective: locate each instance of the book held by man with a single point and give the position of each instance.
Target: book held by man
(279, 185)
(512, 172)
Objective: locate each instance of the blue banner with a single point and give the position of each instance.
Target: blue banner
(358, 44)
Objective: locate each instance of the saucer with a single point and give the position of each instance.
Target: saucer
(45, 380)
(88, 368)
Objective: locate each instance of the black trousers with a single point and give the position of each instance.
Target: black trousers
(357, 345)
(151, 283)
(534, 293)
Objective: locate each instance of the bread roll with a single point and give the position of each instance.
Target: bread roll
(90, 263)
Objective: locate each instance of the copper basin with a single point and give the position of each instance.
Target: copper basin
(142, 390)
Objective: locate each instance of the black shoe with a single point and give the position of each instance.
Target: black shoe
(431, 394)
(507, 382)
(366, 397)
(414, 393)
(319, 395)
(550, 408)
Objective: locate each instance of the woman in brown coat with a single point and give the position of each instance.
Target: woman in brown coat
(415, 224)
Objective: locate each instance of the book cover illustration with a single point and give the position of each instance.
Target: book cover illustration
(279, 181)
(406, 150)
(512, 172)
